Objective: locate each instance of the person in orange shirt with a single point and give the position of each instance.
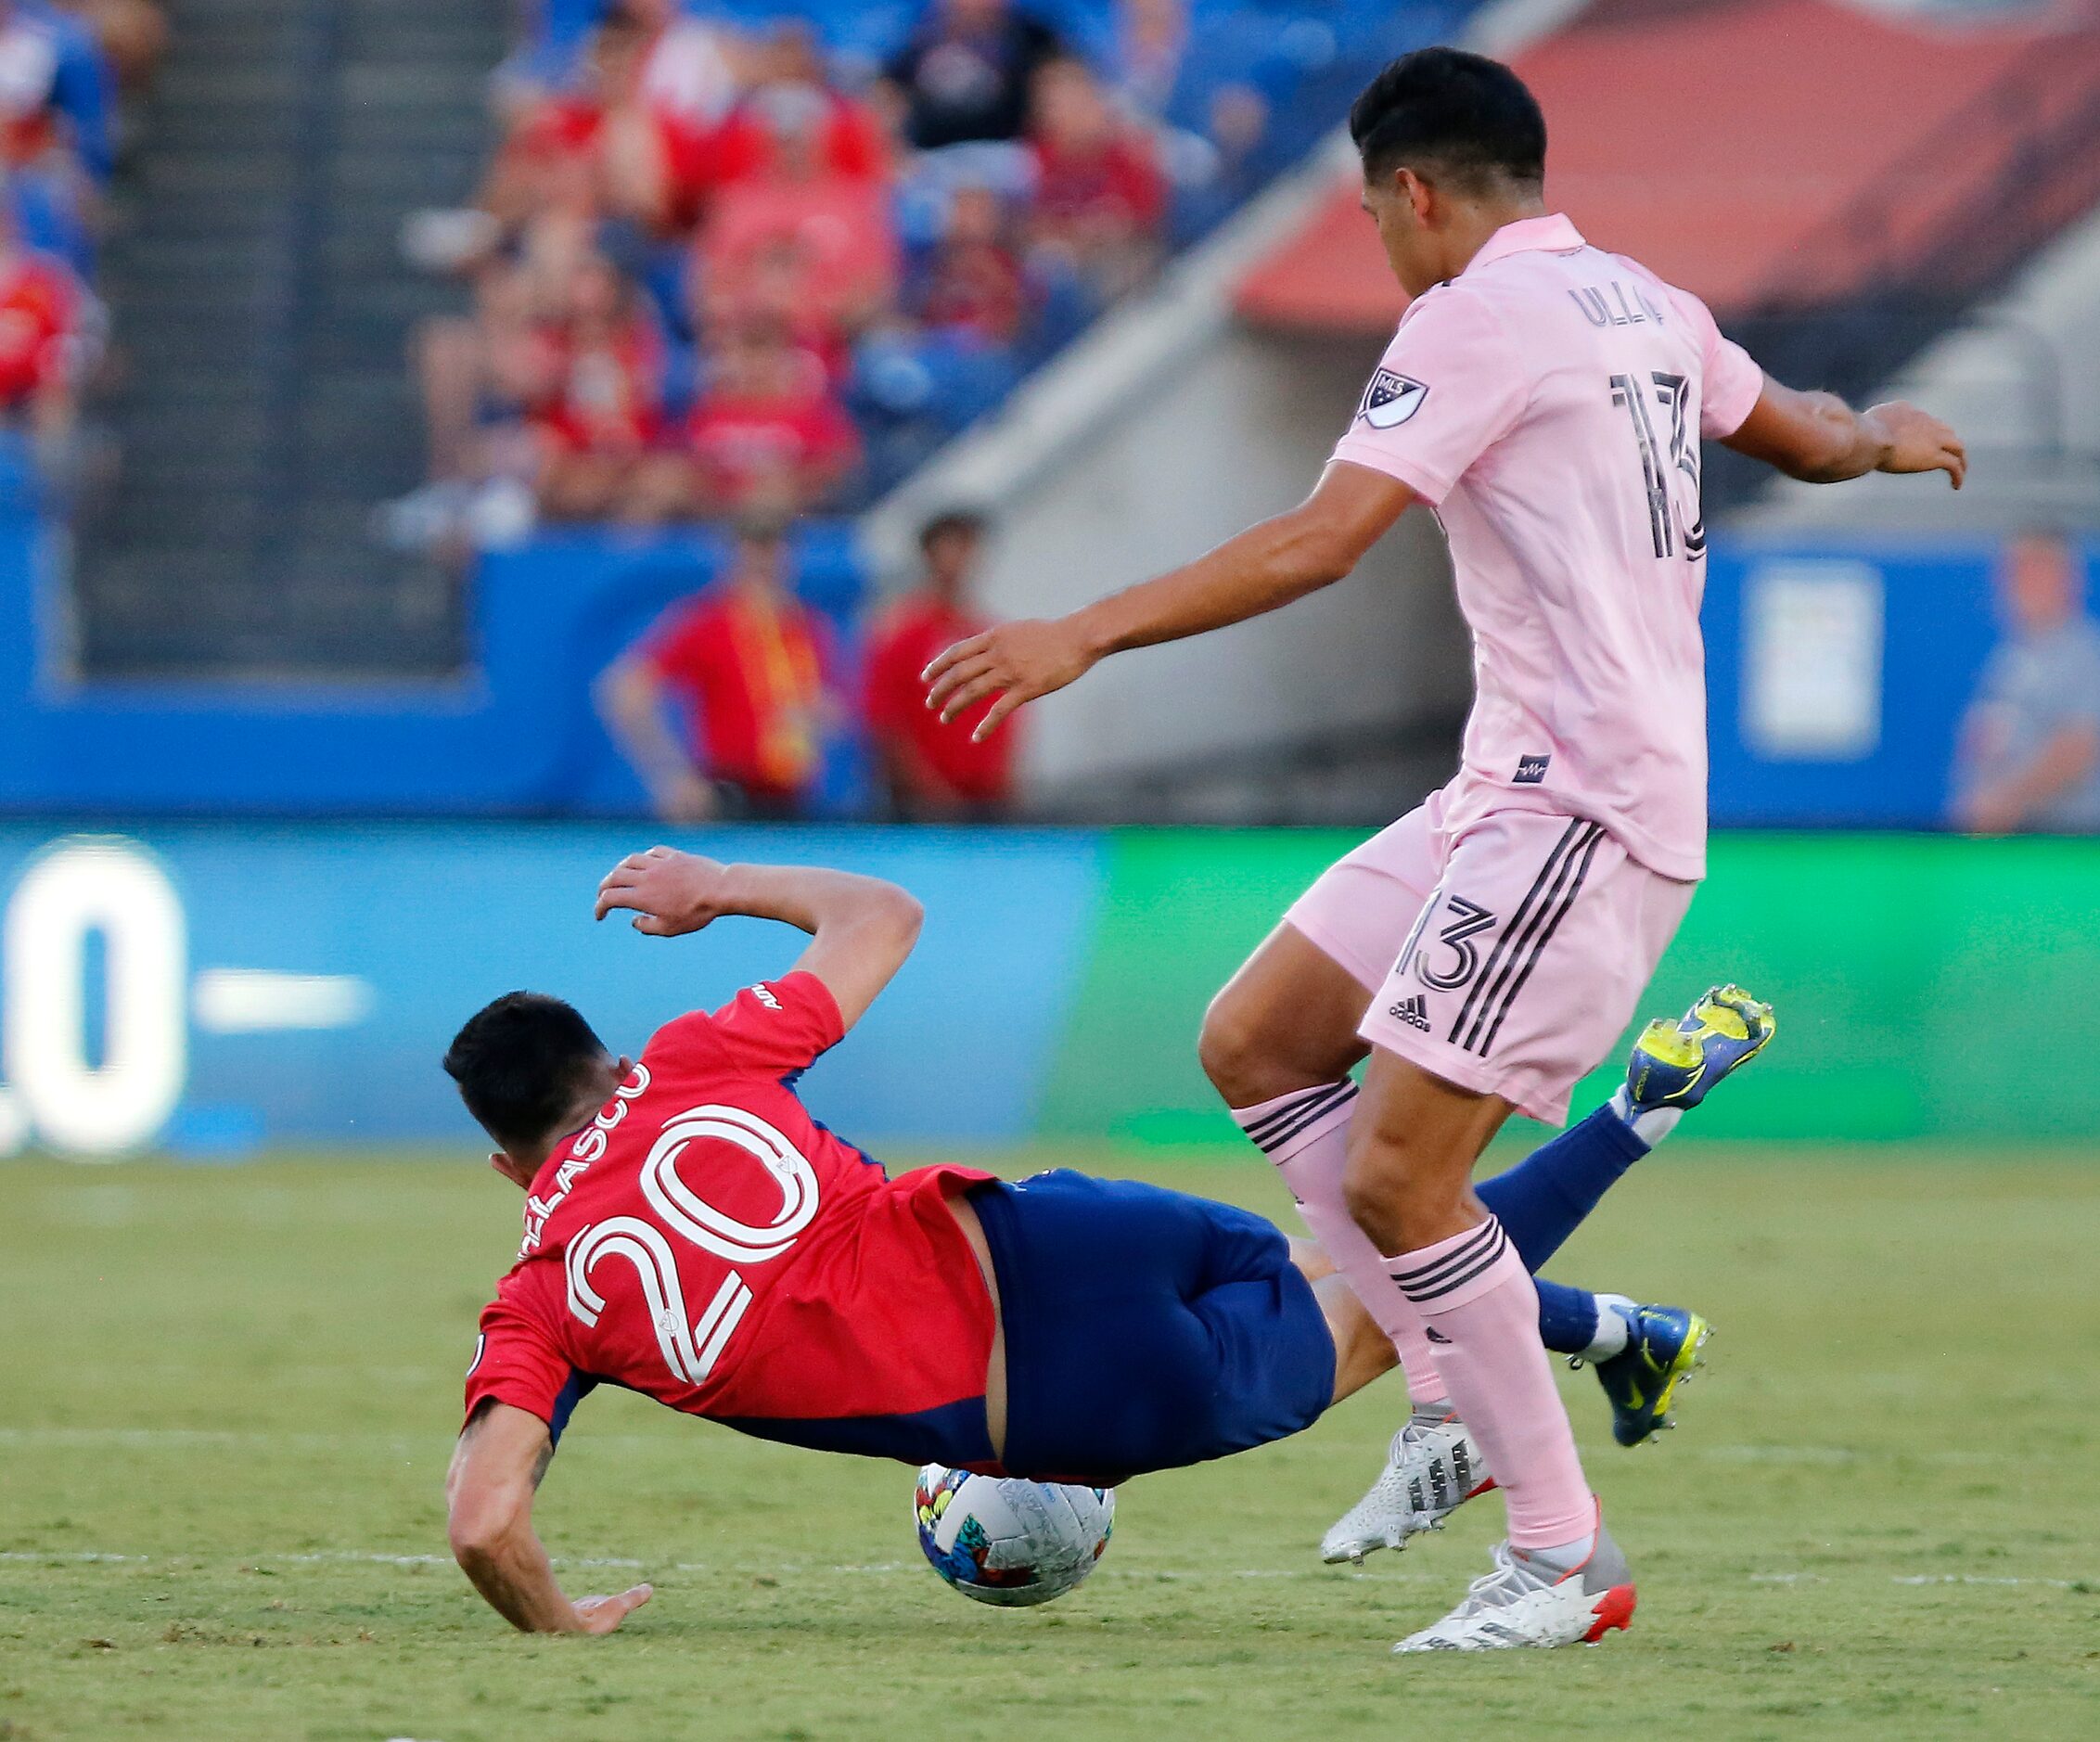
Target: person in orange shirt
(933, 771)
(746, 659)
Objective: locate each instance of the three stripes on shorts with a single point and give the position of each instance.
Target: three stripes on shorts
(1524, 940)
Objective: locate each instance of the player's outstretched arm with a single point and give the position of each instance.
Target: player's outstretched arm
(495, 1471)
(861, 929)
(1819, 439)
(1267, 566)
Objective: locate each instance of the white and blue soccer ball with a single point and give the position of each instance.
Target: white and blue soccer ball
(1010, 1542)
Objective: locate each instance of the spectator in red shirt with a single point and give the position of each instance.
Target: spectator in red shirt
(39, 313)
(934, 771)
(1100, 194)
(973, 281)
(766, 428)
(848, 139)
(840, 223)
(607, 362)
(745, 659)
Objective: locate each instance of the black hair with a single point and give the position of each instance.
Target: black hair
(520, 1062)
(966, 521)
(1466, 116)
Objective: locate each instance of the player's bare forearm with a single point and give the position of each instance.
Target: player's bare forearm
(1259, 570)
(1256, 572)
(495, 1469)
(861, 929)
(1821, 439)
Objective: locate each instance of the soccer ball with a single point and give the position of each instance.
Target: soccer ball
(1010, 1542)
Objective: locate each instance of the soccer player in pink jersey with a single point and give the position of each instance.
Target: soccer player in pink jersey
(1546, 400)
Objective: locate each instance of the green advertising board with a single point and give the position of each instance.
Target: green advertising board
(1926, 986)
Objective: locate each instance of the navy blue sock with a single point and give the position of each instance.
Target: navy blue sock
(1567, 1317)
(1543, 1199)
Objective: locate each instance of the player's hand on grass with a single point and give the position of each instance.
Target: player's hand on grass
(669, 892)
(602, 1614)
(1919, 442)
(1016, 661)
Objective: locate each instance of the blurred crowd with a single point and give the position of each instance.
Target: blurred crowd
(718, 266)
(67, 69)
(725, 708)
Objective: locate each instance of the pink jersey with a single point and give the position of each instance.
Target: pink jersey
(1548, 404)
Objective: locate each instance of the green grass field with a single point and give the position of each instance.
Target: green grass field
(229, 1395)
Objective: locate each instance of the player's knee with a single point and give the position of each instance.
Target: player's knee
(1229, 1050)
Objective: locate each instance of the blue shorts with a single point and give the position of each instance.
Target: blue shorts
(1145, 1328)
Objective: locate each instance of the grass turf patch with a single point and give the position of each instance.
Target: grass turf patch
(231, 1394)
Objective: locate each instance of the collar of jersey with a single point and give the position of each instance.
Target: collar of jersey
(1553, 232)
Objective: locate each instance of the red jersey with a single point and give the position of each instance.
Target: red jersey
(904, 645)
(752, 670)
(705, 1242)
(37, 314)
(849, 143)
(745, 443)
(1118, 185)
(609, 393)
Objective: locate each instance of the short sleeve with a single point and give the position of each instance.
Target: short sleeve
(781, 1024)
(1450, 386)
(775, 1028)
(1730, 379)
(516, 1363)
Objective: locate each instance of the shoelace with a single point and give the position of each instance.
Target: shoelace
(1501, 1586)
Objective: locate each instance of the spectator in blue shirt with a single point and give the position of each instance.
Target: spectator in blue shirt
(2028, 758)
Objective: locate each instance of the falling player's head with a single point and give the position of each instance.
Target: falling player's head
(531, 1070)
(1452, 146)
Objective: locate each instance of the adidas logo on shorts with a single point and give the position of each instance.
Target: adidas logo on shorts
(1413, 1010)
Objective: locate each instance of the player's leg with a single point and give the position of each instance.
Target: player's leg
(1278, 1044)
(1565, 930)
(1115, 1366)
(1363, 1352)
(1411, 1158)
(1641, 1352)
(1279, 1041)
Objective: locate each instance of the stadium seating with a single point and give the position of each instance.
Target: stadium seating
(262, 305)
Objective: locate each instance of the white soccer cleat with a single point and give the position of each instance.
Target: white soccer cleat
(1529, 1600)
(1432, 1468)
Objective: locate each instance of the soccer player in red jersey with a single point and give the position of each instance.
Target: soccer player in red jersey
(692, 1233)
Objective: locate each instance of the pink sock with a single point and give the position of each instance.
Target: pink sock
(1474, 1292)
(1306, 1135)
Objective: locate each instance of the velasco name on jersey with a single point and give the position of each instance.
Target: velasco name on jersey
(585, 1150)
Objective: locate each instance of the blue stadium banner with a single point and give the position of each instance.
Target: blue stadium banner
(212, 988)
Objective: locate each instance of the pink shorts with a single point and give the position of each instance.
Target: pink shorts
(1507, 960)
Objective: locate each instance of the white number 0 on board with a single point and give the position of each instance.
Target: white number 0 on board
(94, 1109)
